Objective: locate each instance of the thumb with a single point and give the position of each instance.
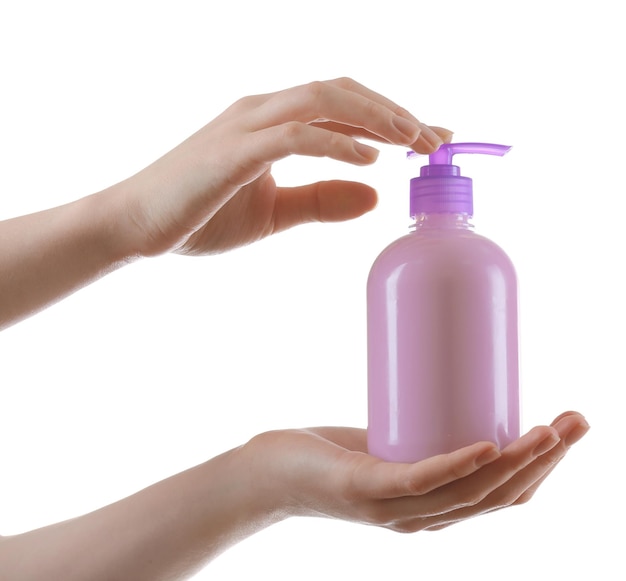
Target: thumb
(331, 201)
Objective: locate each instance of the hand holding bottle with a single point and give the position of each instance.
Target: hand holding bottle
(327, 472)
(176, 526)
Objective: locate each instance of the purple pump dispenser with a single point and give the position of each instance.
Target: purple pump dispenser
(442, 326)
(441, 187)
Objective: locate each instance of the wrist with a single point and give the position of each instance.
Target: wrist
(119, 234)
(279, 476)
(263, 488)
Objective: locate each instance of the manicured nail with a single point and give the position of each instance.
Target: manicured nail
(446, 135)
(564, 415)
(576, 433)
(487, 457)
(409, 129)
(369, 154)
(430, 137)
(546, 444)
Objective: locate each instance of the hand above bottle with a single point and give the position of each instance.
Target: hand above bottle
(211, 193)
(215, 191)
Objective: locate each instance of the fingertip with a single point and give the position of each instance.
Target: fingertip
(431, 138)
(445, 134)
(551, 439)
(566, 415)
(491, 454)
(576, 433)
(367, 153)
(534, 439)
(571, 427)
(369, 197)
(343, 200)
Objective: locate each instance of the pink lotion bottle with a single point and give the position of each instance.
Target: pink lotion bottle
(442, 326)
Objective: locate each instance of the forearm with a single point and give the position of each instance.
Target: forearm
(165, 532)
(48, 255)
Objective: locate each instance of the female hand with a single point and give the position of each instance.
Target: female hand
(174, 527)
(327, 472)
(212, 193)
(215, 191)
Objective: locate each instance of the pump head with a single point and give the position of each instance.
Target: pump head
(440, 187)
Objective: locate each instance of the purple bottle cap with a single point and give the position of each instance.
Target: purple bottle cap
(440, 187)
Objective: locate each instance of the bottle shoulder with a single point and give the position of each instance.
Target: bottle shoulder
(458, 248)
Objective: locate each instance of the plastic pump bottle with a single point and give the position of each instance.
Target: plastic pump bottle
(442, 326)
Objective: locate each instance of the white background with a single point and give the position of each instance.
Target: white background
(173, 360)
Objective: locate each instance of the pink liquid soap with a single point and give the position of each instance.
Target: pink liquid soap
(442, 326)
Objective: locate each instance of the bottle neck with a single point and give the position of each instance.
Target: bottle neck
(442, 221)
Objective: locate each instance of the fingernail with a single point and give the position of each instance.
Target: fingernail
(446, 135)
(408, 129)
(487, 457)
(369, 154)
(576, 433)
(430, 137)
(563, 416)
(546, 444)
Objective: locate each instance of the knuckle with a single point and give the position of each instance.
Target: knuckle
(291, 131)
(345, 83)
(553, 457)
(416, 484)
(307, 99)
(245, 103)
(335, 140)
(415, 487)
(330, 144)
(400, 111)
(373, 109)
(458, 468)
(313, 91)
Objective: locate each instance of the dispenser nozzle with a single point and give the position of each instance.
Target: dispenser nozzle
(443, 156)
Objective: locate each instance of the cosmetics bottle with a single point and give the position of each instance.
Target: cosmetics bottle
(442, 325)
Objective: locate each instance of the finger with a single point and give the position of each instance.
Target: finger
(515, 457)
(487, 489)
(445, 134)
(530, 491)
(469, 492)
(430, 138)
(426, 142)
(344, 83)
(571, 427)
(351, 85)
(328, 101)
(277, 142)
(514, 492)
(375, 479)
(567, 414)
(331, 201)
